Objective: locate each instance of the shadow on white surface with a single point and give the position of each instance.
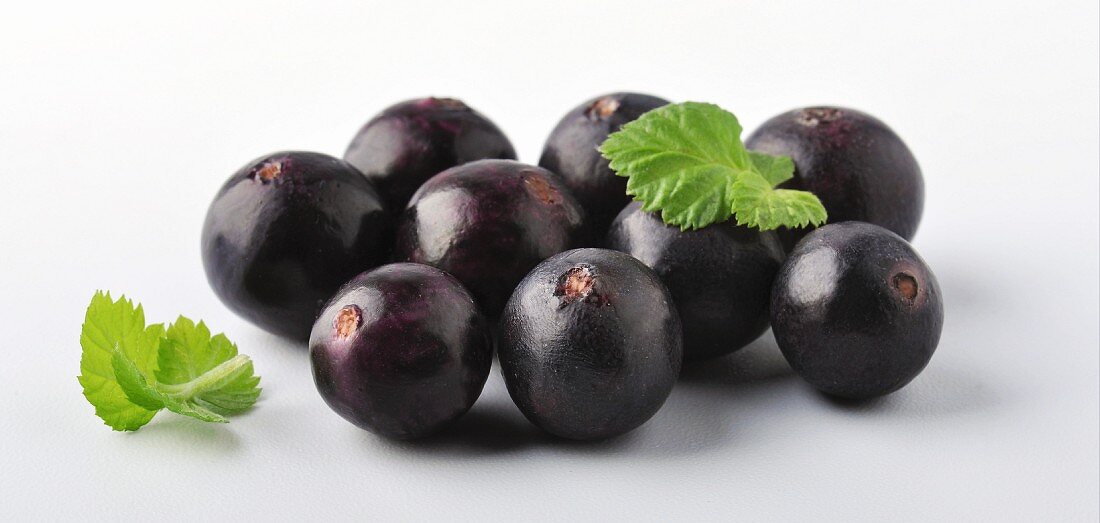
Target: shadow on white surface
(189, 436)
(700, 413)
(971, 290)
(939, 392)
(745, 399)
(758, 362)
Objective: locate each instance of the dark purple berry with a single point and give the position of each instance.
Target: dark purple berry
(401, 351)
(571, 152)
(856, 311)
(488, 223)
(285, 232)
(414, 140)
(590, 344)
(853, 162)
(720, 276)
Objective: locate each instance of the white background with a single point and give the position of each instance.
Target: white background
(119, 122)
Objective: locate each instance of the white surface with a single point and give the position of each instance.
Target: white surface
(118, 124)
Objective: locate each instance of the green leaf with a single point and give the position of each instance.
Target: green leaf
(205, 372)
(130, 371)
(187, 352)
(774, 169)
(757, 204)
(135, 384)
(138, 389)
(681, 161)
(685, 160)
(193, 410)
(111, 326)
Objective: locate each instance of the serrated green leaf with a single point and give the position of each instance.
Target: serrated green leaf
(129, 371)
(140, 391)
(692, 198)
(757, 204)
(111, 325)
(135, 384)
(682, 160)
(189, 352)
(774, 169)
(205, 372)
(685, 160)
(193, 410)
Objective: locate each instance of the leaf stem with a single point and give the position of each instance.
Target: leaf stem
(224, 372)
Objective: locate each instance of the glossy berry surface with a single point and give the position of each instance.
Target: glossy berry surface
(488, 223)
(571, 152)
(856, 311)
(401, 351)
(720, 276)
(590, 344)
(285, 232)
(408, 143)
(856, 165)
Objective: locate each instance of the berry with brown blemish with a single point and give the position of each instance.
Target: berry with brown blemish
(285, 231)
(488, 223)
(856, 311)
(414, 362)
(859, 168)
(571, 152)
(590, 344)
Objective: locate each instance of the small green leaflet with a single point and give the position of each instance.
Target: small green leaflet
(109, 327)
(129, 371)
(761, 206)
(208, 369)
(774, 169)
(688, 162)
